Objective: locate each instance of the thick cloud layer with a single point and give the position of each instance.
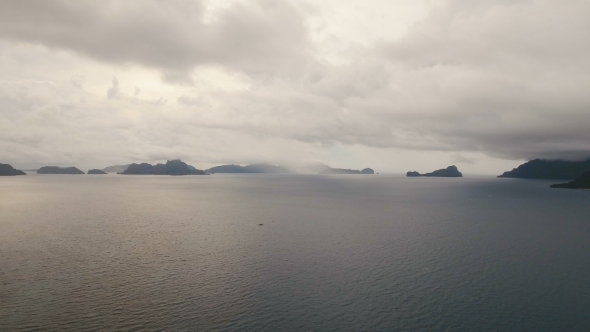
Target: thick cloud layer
(506, 79)
(170, 35)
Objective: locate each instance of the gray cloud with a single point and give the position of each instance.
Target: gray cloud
(113, 91)
(508, 79)
(261, 36)
(460, 159)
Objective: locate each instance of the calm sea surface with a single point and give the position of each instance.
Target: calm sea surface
(335, 253)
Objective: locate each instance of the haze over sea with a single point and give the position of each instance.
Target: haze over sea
(334, 253)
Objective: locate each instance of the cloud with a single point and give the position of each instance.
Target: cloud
(68, 125)
(508, 79)
(504, 77)
(460, 159)
(113, 91)
(171, 36)
(191, 101)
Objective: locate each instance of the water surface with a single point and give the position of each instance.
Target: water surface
(335, 253)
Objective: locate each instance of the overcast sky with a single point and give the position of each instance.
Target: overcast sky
(395, 85)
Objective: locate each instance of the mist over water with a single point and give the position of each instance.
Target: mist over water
(334, 253)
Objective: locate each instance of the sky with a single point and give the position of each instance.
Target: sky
(395, 85)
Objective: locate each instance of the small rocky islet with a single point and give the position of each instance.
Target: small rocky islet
(59, 170)
(449, 172)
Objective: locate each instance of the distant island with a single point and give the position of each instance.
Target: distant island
(96, 171)
(583, 182)
(172, 167)
(58, 170)
(254, 168)
(8, 170)
(116, 168)
(347, 171)
(449, 172)
(549, 169)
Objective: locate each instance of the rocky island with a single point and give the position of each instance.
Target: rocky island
(172, 167)
(583, 182)
(449, 172)
(96, 171)
(549, 169)
(8, 170)
(347, 171)
(58, 170)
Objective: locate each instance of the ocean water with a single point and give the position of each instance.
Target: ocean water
(334, 253)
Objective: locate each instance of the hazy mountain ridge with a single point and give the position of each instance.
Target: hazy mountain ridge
(347, 171)
(116, 168)
(253, 168)
(289, 169)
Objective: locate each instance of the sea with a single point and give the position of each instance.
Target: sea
(264, 252)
